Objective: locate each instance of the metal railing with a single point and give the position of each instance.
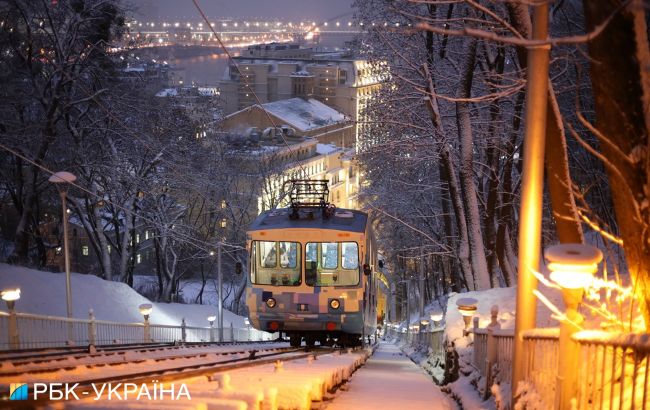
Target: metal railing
(541, 348)
(26, 331)
(433, 338)
(614, 370)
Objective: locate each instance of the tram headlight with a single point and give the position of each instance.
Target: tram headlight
(270, 302)
(335, 304)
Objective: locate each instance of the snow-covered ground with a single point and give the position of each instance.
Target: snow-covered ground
(44, 293)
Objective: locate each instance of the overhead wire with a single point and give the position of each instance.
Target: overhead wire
(206, 246)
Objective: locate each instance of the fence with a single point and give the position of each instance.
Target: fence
(433, 338)
(26, 331)
(614, 370)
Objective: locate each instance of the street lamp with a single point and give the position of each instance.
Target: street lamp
(248, 326)
(572, 267)
(436, 318)
(145, 311)
(62, 180)
(10, 296)
(211, 319)
(467, 308)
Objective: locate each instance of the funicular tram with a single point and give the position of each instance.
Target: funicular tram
(314, 270)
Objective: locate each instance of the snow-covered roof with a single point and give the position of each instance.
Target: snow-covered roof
(325, 149)
(139, 69)
(167, 92)
(304, 114)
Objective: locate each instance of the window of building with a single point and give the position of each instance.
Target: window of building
(84, 250)
(343, 76)
(223, 223)
(146, 235)
(223, 204)
(138, 258)
(108, 248)
(137, 238)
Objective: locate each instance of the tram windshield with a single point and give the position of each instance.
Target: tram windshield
(275, 263)
(332, 264)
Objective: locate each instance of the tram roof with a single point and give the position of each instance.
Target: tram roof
(342, 220)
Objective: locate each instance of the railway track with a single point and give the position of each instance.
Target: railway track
(183, 370)
(31, 369)
(46, 353)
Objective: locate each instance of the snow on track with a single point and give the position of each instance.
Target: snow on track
(295, 384)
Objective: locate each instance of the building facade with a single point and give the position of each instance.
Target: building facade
(343, 83)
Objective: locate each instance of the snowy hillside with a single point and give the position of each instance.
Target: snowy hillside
(44, 293)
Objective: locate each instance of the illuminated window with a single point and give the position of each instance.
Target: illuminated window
(138, 258)
(223, 204)
(84, 250)
(58, 250)
(137, 238)
(223, 223)
(146, 235)
(109, 248)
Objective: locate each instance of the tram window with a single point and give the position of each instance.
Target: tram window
(332, 264)
(268, 254)
(350, 255)
(330, 255)
(275, 263)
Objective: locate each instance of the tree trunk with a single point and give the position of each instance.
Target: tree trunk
(567, 221)
(464, 123)
(621, 89)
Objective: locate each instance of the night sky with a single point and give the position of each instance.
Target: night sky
(284, 9)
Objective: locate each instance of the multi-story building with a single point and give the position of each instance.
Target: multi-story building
(339, 81)
(277, 50)
(266, 162)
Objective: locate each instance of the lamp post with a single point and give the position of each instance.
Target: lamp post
(211, 319)
(220, 298)
(10, 296)
(467, 308)
(62, 180)
(572, 267)
(145, 310)
(436, 318)
(248, 326)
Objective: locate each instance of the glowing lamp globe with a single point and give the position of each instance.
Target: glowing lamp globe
(467, 308)
(10, 295)
(145, 309)
(424, 322)
(573, 265)
(212, 318)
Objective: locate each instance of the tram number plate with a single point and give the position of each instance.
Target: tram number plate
(303, 316)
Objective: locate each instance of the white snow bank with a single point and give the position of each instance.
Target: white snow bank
(505, 299)
(44, 293)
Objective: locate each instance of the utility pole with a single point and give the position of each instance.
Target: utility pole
(421, 283)
(220, 298)
(532, 186)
